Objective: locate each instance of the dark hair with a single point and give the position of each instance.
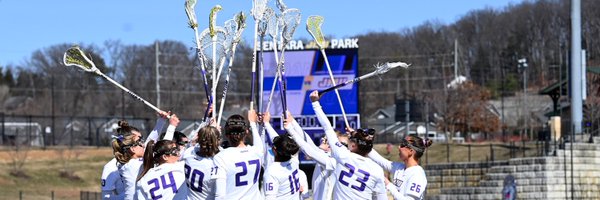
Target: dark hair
(418, 144)
(177, 137)
(125, 129)
(153, 154)
(364, 140)
(284, 147)
(208, 139)
(235, 129)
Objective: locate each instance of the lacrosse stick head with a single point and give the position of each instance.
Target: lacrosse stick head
(282, 7)
(76, 57)
(313, 26)
(191, 14)
(291, 19)
(206, 49)
(234, 27)
(381, 69)
(263, 25)
(212, 19)
(273, 26)
(258, 9)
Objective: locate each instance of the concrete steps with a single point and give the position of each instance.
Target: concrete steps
(536, 177)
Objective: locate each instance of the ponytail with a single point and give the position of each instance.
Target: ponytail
(148, 159)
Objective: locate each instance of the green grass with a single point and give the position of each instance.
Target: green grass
(44, 167)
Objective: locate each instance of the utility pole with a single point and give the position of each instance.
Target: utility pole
(576, 99)
(406, 104)
(455, 59)
(523, 66)
(156, 54)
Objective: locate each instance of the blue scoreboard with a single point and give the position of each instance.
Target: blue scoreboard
(306, 71)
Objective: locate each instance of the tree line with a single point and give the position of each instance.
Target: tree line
(488, 41)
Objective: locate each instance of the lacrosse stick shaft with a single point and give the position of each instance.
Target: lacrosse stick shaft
(261, 78)
(337, 93)
(214, 69)
(253, 84)
(282, 82)
(129, 92)
(357, 79)
(226, 86)
(276, 75)
(203, 70)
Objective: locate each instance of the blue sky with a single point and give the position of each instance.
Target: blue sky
(27, 25)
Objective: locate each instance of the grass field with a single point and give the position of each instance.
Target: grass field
(48, 170)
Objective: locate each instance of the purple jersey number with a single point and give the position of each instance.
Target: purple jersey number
(165, 185)
(415, 187)
(195, 178)
(362, 181)
(294, 182)
(244, 166)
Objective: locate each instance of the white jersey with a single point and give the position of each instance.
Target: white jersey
(112, 185)
(358, 177)
(323, 177)
(166, 181)
(304, 192)
(198, 173)
(323, 180)
(407, 183)
(410, 182)
(282, 181)
(129, 173)
(240, 167)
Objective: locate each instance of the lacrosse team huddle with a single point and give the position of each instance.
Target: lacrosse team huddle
(205, 165)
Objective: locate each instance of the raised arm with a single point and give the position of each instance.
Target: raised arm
(158, 126)
(256, 139)
(338, 151)
(270, 131)
(319, 156)
(173, 122)
(305, 135)
(380, 160)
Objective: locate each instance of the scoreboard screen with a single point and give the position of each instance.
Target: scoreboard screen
(305, 71)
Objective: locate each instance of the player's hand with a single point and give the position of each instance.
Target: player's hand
(252, 117)
(314, 96)
(174, 120)
(266, 117)
(386, 181)
(349, 131)
(210, 111)
(287, 123)
(164, 114)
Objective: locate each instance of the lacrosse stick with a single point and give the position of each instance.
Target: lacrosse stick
(381, 69)
(313, 26)
(258, 9)
(262, 31)
(76, 57)
(234, 28)
(207, 50)
(273, 29)
(193, 23)
(212, 23)
(282, 7)
(290, 19)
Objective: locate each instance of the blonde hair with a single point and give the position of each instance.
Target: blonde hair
(121, 146)
(208, 138)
